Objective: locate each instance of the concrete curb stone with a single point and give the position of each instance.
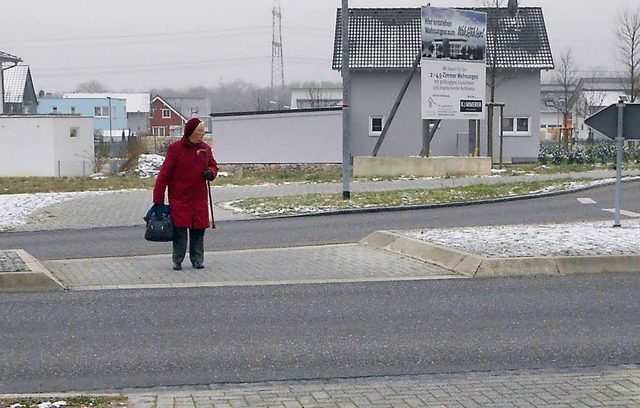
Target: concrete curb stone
(474, 265)
(33, 277)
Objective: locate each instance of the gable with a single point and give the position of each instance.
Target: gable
(6, 57)
(15, 83)
(161, 103)
(390, 38)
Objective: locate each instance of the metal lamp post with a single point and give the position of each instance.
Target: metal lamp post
(110, 116)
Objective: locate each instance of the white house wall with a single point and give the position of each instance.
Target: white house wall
(521, 94)
(372, 96)
(373, 93)
(290, 137)
(33, 146)
(74, 156)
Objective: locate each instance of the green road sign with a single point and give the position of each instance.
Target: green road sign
(606, 121)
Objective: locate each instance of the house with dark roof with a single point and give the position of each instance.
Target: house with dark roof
(19, 92)
(385, 42)
(7, 61)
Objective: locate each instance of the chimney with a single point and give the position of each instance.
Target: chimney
(512, 7)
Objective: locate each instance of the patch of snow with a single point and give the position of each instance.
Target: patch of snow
(507, 241)
(16, 208)
(149, 165)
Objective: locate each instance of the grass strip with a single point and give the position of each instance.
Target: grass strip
(79, 401)
(312, 203)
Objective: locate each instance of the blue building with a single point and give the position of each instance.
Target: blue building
(109, 114)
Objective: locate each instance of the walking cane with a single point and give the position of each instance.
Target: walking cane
(213, 220)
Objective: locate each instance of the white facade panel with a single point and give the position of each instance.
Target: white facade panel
(290, 137)
(42, 146)
(374, 93)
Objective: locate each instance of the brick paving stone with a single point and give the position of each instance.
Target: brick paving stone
(280, 265)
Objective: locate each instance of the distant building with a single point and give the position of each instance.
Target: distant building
(109, 116)
(306, 98)
(19, 93)
(138, 108)
(184, 108)
(586, 97)
(165, 120)
(6, 62)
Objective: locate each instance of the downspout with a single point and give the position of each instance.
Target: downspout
(15, 64)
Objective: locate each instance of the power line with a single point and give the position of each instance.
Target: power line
(129, 68)
(153, 37)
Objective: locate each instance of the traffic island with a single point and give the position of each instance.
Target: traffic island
(474, 265)
(21, 272)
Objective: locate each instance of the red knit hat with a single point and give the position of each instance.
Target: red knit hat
(191, 126)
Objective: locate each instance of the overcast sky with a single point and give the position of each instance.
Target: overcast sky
(136, 45)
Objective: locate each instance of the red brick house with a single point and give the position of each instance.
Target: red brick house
(165, 119)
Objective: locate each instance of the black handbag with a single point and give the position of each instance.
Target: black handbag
(159, 228)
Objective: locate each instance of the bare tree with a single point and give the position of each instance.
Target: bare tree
(317, 97)
(91, 87)
(261, 99)
(627, 31)
(493, 70)
(590, 99)
(566, 75)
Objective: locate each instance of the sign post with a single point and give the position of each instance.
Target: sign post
(619, 147)
(619, 121)
(346, 101)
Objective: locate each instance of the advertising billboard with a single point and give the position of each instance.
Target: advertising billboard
(453, 63)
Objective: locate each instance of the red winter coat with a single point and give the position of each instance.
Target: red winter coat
(182, 172)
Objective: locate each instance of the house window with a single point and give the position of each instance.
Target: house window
(101, 112)
(73, 132)
(376, 124)
(151, 112)
(158, 131)
(166, 113)
(516, 126)
(73, 110)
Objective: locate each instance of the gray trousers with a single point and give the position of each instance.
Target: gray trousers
(196, 245)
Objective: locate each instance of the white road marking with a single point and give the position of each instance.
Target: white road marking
(586, 201)
(623, 212)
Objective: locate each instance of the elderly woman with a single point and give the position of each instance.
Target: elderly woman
(188, 166)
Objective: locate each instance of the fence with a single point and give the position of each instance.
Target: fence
(73, 168)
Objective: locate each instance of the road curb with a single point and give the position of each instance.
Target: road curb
(477, 266)
(444, 205)
(33, 278)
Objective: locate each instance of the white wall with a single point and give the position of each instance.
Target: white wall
(40, 145)
(374, 93)
(282, 137)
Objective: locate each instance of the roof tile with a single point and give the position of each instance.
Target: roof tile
(15, 82)
(387, 38)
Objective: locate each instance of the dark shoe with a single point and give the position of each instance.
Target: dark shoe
(177, 266)
(198, 265)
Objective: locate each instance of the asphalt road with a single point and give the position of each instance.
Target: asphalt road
(315, 230)
(142, 338)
